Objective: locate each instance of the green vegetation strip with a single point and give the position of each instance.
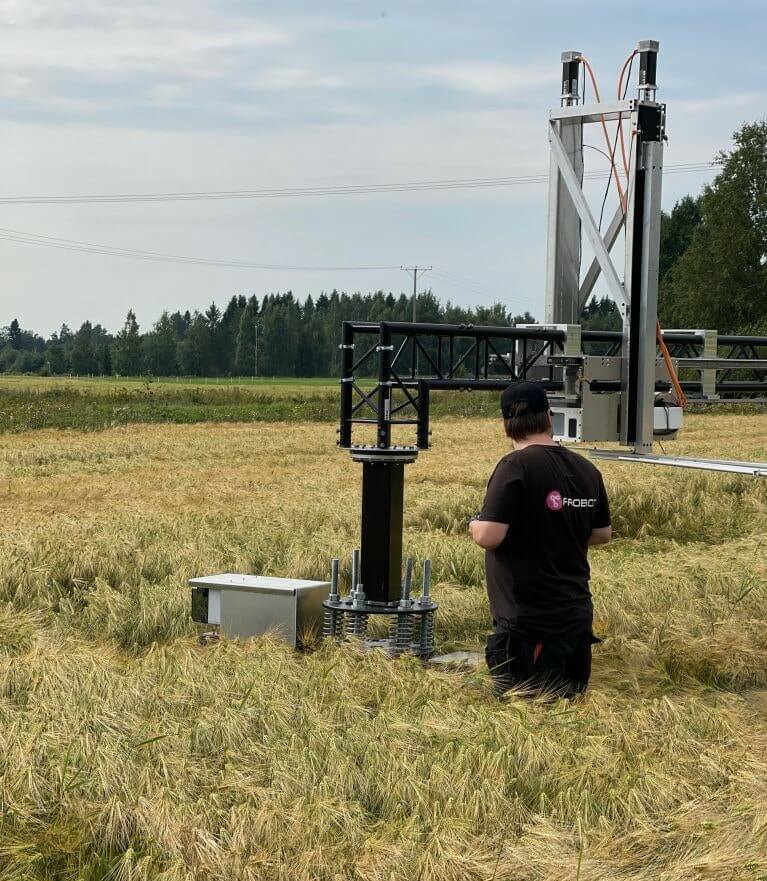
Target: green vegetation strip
(89, 409)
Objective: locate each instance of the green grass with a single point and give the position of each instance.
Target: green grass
(110, 383)
(30, 403)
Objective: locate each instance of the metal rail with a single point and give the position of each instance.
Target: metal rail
(753, 469)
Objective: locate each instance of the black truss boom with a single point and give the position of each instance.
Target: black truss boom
(408, 361)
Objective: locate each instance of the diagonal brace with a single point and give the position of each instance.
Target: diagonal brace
(610, 238)
(614, 285)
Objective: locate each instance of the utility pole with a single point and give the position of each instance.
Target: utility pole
(417, 273)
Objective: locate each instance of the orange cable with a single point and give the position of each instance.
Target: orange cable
(620, 121)
(681, 397)
(666, 355)
(611, 151)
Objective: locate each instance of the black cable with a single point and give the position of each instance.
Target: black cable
(596, 150)
(609, 180)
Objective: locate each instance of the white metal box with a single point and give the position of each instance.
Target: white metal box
(248, 605)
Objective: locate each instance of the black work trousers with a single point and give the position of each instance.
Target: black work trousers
(558, 666)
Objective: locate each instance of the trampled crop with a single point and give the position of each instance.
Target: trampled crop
(129, 751)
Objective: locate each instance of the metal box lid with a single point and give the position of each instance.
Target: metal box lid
(257, 583)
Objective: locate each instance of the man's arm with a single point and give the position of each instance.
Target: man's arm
(488, 534)
(602, 533)
(502, 502)
(600, 536)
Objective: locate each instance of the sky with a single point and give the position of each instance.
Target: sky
(133, 96)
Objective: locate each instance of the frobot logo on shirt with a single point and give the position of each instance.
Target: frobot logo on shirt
(555, 501)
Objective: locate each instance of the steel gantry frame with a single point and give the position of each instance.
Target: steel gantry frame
(454, 356)
(476, 358)
(382, 389)
(603, 385)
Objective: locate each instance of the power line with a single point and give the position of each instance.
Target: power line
(25, 238)
(307, 192)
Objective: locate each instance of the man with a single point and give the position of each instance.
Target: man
(544, 507)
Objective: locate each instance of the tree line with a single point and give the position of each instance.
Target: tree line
(712, 274)
(275, 336)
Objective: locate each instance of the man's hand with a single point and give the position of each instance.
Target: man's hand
(486, 533)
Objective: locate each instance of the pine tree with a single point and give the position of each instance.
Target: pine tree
(161, 349)
(217, 339)
(104, 359)
(195, 351)
(245, 357)
(127, 348)
(83, 357)
(57, 360)
(14, 334)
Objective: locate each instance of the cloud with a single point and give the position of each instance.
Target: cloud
(171, 95)
(124, 39)
(485, 78)
(283, 78)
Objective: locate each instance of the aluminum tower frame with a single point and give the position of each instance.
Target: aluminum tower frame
(570, 218)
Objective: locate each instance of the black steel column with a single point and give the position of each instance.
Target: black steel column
(631, 398)
(385, 350)
(381, 545)
(347, 378)
(422, 441)
(649, 129)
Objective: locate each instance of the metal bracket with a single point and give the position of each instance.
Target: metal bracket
(593, 112)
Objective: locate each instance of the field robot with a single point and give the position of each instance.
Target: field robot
(627, 387)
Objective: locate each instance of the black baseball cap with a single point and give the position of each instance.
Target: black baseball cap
(531, 393)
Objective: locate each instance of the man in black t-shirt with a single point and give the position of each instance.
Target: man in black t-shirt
(544, 506)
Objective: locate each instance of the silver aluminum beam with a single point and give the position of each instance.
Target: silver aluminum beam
(645, 342)
(724, 363)
(729, 466)
(616, 289)
(563, 256)
(727, 401)
(593, 112)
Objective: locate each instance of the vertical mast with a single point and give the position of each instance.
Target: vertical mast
(563, 259)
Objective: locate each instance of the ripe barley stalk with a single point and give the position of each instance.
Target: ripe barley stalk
(129, 751)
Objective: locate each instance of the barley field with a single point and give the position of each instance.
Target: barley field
(129, 751)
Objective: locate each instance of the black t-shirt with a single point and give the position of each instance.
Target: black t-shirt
(538, 577)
